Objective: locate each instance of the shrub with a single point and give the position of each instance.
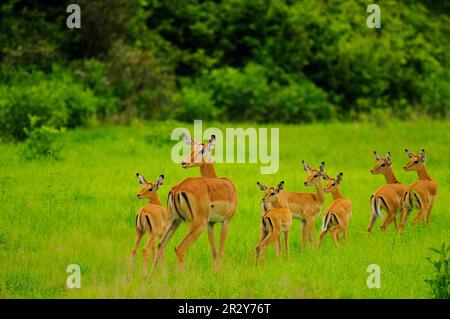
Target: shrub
(440, 284)
(195, 104)
(41, 141)
(56, 99)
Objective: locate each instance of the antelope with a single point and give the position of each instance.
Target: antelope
(304, 206)
(152, 218)
(273, 222)
(420, 194)
(388, 197)
(338, 213)
(201, 202)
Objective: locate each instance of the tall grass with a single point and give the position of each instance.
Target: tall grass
(81, 210)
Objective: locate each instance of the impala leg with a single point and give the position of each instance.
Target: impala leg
(169, 233)
(278, 246)
(223, 235)
(345, 236)
(428, 220)
(395, 221)
(334, 234)
(212, 243)
(150, 242)
(420, 215)
(194, 231)
(322, 235)
(310, 231)
(286, 243)
(389, 218)
(406, 211)
(137, 240)
(303, 235)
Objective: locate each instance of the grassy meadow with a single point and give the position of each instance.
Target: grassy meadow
(80, 210)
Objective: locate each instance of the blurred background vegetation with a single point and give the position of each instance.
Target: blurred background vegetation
(285, 61)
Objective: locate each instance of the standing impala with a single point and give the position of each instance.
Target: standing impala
(338, 214)
(420, 194)
(304, 206)
(388, 197)
(273, 222)
(201, 202)
(153, 218)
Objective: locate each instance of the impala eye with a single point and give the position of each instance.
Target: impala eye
(150, 189)
(333, 184)
(416, 162)
(315, 176)
(272, 194)
(383, 165)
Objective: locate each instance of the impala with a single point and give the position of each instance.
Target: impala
(273, 222)
(304, 206)
(201, 202)
(420, 194)
(338, 214)
(388, 197)
(153, 218)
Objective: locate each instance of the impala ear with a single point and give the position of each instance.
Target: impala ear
(280, 186)
(410, 154)
(322, 167)
(211, 143)
(339, 177)
(324, 175)
(189, 140)
(388, 158)
(422, 155)
(159, 181)
(377, 156)
(261, 186)
(305, 166)
(141, 179)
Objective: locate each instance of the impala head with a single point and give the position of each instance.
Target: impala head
(200, 152)
(382, 163)
(314, 175)
(332, 183)
(270, 193)
(148, 188)
(415, 161)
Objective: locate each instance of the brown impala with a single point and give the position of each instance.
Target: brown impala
(201, 202)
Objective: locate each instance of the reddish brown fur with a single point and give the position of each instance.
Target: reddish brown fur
(389, 196)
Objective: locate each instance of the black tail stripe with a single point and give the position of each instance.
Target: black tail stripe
(187, 202)
(174, 197)
(418, 200)
(270, 222)
(384, 202)
(148, 221)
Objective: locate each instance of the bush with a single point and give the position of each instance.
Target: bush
(56, 99)
(255, 93)
(440, 284)
(41, 141)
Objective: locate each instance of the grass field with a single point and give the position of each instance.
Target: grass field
(81, 208)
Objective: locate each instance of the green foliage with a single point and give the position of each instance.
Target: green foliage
(42, 141)
(57, 100)
(440, 284)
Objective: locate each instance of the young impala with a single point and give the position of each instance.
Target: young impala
(304, 206)
(153, 218)
(420, 194)
(389, 196)
(201, 202)
(338, 214)
(273, 222)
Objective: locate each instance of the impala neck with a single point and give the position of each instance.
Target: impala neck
(154, 199)
(208, 170)
(336, 194)
(319, 192)
(390, 176)
(422, 173)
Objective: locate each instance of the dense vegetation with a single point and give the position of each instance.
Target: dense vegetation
(284, 61)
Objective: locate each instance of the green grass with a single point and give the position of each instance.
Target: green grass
(81, 210)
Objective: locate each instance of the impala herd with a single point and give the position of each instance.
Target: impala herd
(206, 200)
